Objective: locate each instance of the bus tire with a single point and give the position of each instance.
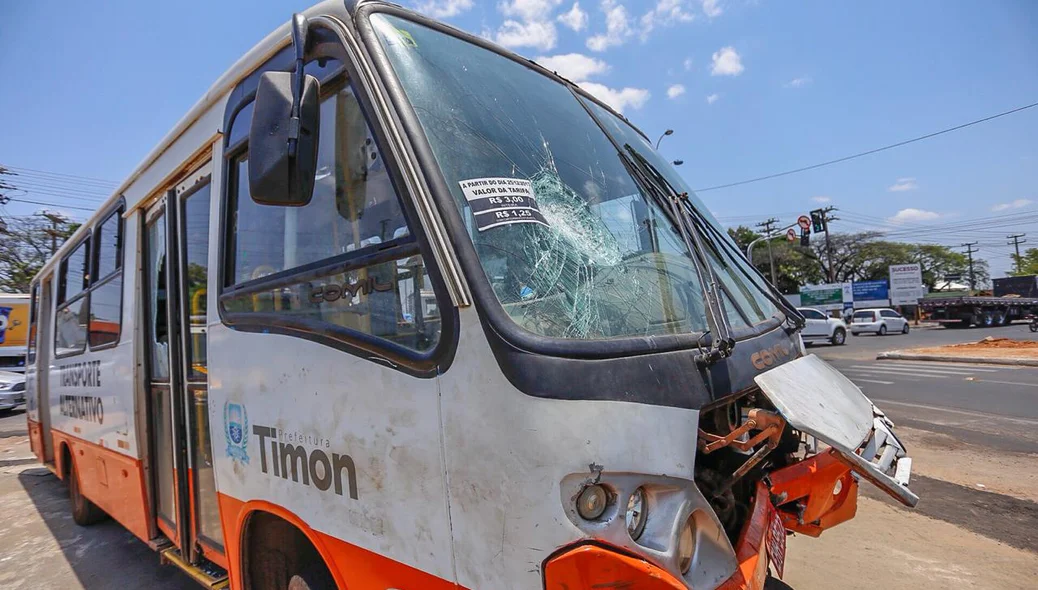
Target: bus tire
(84, 512)
(280, 557)
(772, 583)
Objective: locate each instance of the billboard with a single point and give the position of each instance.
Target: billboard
(871, 294)
(828, 297)
(906, 284)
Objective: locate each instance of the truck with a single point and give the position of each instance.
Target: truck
(1013, 298)
(14, 331)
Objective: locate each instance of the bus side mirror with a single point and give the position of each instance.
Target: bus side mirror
(283, 137)
(281, 173)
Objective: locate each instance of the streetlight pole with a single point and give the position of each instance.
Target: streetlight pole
(665, 133)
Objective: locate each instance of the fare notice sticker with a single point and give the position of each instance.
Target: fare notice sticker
(501, 201)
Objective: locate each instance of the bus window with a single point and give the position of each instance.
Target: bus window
(106, 293)
(70, 328)
(33, 319)
(70, 322)
(354, 213)
(105, 308)
(109, 246)
(74, 274)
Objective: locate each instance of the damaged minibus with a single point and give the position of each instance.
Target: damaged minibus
(393, 307)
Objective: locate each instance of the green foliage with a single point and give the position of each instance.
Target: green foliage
(25, 245)
(860, 257)
(1028, 263)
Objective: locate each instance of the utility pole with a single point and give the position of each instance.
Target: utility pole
(1016, 243)
(820, 219)
(55, 219)
(969, 252)
(768, 227)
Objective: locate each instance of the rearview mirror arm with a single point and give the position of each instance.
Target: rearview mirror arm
(300, 27)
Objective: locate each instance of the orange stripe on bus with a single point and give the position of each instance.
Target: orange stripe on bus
(124, 498)
(352, 567)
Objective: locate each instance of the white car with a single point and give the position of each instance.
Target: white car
(12, 390)
(878, 321)
(822, 328)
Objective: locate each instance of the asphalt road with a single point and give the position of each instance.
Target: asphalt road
(972, 429)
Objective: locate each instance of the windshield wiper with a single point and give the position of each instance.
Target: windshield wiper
(699, 220)
(721, 343)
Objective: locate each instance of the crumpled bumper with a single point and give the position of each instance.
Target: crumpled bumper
(820, 401)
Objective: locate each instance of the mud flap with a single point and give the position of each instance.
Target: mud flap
(818, 400)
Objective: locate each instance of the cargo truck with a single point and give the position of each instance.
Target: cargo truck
(1014, 298)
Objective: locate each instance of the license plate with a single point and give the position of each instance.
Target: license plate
(776, 541)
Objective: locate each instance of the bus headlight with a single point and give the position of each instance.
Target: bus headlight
(687, 545)
(637, 513)
(592, 502)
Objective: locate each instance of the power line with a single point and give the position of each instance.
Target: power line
(49, 204)
(56, 175)
(869, 152)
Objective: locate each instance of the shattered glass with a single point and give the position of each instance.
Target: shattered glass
(601, 260)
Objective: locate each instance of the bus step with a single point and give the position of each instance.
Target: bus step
(159, 543)
(172, 556)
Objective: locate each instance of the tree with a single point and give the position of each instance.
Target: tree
(25, 246)
(1028, 263)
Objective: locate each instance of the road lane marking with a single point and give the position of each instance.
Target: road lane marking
(1004, 382)
(955, 411)
(907, 372)
(872, 381)
(959, 369)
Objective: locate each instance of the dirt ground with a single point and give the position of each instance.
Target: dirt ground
(987, 348)
(892, 548)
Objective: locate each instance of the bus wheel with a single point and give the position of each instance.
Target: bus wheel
(776, 584)
(84, 512)
(280, 557)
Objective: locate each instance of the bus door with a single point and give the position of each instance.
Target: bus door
(36, 370)
(176, 265)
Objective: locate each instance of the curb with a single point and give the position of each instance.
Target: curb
(908, 356)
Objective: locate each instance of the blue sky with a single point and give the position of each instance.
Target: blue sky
(751, 87)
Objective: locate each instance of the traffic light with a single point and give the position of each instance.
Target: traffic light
(805, 238)
(818, 220)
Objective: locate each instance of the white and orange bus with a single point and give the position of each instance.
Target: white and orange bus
(392, 307)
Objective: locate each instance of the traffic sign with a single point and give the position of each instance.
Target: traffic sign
(791, 235)
(804, 222)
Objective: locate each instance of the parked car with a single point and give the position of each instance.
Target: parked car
(878, 321)
(12, 390)
(822, 328)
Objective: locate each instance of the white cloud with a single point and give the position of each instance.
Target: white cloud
(529, 10)
(443, 8)
(687, 64)
(675, 91)
(575, 66)
(1017, 204)
(821, 199)
(712, 98)
(575, 18)
(726, 62)
(798, 82)
(711, 8)
(666, 13)
(912, 215)
(902, 185)
(529, 23)
(537, 34)
(618, 27)
(618, 99)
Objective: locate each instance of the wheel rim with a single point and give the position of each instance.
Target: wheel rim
(840, 336)
(882, 330)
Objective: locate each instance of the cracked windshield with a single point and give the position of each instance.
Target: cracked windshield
(570, 244)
